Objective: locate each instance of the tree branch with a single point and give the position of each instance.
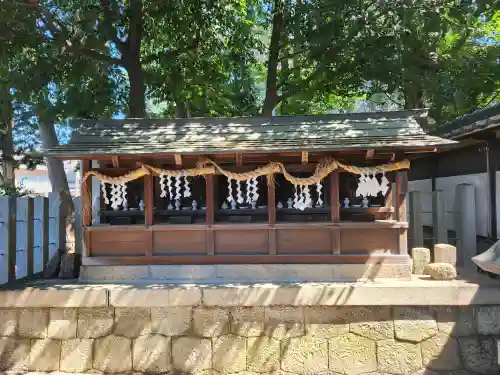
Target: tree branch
(172, 54)
(109, 19)
(300, 85)
(60, 32)
(289, 55)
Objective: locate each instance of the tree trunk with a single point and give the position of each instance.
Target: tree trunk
(132, 60)
(137, 94)
(6, 143)
(271, 99)
(181, 110)
(7, 159)
(59, 182)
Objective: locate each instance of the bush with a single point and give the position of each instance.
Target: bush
(11, 190)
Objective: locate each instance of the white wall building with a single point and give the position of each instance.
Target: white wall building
(37, 180)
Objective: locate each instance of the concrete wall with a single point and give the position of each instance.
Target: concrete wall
(448, 184)
(243, 331)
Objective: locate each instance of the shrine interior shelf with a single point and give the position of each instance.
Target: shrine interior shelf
(370, 210)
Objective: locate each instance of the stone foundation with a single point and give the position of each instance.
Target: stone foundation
(249, 273)
(248, 331)
(294, 340)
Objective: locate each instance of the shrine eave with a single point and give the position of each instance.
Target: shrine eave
(396, 130)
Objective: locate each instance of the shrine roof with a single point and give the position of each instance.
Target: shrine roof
(464, 126)
(395, 130)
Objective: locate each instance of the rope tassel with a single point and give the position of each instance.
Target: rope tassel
(104, 192)
(319, 202)
(187, 189)
(239, 193)
(177, 188)
(163, 193)
(230, 190)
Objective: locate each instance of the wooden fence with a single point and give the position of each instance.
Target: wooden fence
(447, 222)
(31, 231)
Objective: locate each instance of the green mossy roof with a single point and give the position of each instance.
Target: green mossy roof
(382, 130)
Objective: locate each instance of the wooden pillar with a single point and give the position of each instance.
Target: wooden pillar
(209, 203)
(210, 213)
(86, 192)
(390, 200)
(271, 200)
(148, 199)
(335, 210)
(401, 192)
(334, 196)
(271, 213)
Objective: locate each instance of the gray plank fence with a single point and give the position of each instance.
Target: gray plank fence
(455, 224)
(31, 231)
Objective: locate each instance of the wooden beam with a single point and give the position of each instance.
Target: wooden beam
(148, 199)
(304, 156)
(178, 160)
(370, 153)
(389, 200)
(250, 259)
(239, 160)
(271, 200)
(230, 153)
(86, 194)
(401, 193)
(116, 161)
(209, 201)
(334, 196)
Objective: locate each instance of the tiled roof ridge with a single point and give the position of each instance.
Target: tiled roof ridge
(467, 123)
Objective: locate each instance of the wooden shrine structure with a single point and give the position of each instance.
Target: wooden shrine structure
(248, 190)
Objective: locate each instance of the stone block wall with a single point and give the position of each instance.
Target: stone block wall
(258, 340)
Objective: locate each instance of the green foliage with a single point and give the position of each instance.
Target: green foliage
(11, 190)
(93, 59)
(440, 54)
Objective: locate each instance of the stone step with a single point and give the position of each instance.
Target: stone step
(244, 273)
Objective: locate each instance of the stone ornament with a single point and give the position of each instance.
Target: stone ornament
(441, 271)
(421, 257)
(346, 202)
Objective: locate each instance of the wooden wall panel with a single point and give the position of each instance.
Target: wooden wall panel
(118, 243)
(241, 241)
(125, 235)
(369, 241)
(179, 242)
(304, 241)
